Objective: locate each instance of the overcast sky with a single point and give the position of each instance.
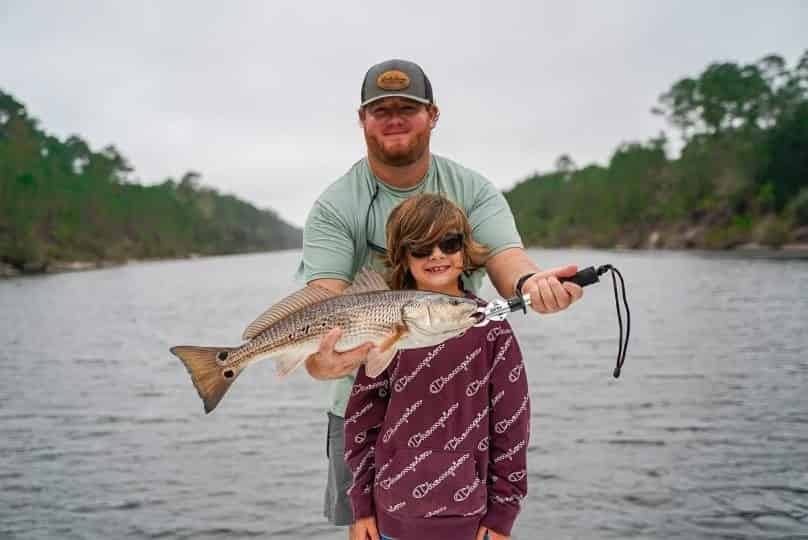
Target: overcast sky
(261, 97)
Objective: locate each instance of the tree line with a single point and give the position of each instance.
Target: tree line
(741, 176)
(62, 201)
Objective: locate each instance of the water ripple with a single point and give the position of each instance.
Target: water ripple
(699, 438)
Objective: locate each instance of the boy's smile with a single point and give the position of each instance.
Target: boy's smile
(437, 272)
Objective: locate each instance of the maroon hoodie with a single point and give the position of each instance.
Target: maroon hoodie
(438, 442)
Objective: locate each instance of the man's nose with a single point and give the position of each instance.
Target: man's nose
(396, 115)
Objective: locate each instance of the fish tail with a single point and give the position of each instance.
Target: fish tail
(210, 378)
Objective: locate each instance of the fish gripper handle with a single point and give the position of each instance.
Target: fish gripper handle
(585, 277)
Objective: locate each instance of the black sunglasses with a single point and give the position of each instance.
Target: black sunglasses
(449, 244)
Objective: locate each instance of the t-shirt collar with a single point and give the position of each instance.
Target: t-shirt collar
(402, 192)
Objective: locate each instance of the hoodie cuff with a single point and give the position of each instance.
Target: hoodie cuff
(500, 517)
(362, 506)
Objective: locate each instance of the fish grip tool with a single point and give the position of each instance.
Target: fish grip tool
(498, 309)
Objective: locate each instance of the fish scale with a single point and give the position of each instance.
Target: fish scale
(363, 317)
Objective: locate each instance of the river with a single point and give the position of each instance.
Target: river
(705, 435)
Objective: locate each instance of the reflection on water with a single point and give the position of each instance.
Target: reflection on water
(704, 436)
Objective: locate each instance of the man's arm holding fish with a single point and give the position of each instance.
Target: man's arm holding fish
(326, 363)
(327, 237)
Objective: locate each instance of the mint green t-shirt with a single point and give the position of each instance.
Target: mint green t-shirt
(343, 221)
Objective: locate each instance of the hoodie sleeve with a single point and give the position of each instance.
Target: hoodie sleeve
(509, 432)
(363, 421)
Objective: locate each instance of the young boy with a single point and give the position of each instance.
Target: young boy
(438, 442)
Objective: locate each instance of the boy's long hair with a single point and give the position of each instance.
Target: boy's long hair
(422, 220)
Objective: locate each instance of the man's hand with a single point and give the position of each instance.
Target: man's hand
(547, 294)
(326, 363)
(492, 534)
(364, 529)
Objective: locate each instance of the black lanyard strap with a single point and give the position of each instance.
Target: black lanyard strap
(622, 345)
(589, 275)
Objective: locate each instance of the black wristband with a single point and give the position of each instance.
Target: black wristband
(521, 281)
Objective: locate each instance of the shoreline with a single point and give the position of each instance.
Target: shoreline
(754, 251)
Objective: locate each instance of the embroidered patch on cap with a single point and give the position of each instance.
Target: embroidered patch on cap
(393, 80)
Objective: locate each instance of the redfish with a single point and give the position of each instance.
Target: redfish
(291, 330)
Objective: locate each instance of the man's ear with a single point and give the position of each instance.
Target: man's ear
(360, 115)
(434, 114)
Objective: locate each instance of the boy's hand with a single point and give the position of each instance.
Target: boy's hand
(492, 534)
(364, 529)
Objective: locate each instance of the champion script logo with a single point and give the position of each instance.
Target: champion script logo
(355, 416)
(474, 386)
(516, 476)
(480, 510)
(496, 332)
(435, 512)
(463, 493)
(402, 383)
(416, 440)
(395, 507)
(438, 384)
(513, 376)
(503, 425)
(387, 483)
(422, 490)
(407, 413)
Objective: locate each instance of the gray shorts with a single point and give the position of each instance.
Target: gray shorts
(337, 503)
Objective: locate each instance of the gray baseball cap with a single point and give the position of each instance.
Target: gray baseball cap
(396, 78)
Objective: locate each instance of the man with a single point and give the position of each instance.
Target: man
(345, 231)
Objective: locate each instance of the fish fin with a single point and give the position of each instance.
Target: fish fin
(208, 376)
(378, 361)
(367, 280)
(287, 363)
(305, 297)
(380, 357)
(399, 331)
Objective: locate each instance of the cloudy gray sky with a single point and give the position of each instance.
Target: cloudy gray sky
(260, 97)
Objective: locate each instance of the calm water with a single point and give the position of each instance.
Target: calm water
(102, 434)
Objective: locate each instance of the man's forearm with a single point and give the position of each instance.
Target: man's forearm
(506, 267)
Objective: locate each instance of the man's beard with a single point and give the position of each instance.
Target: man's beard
(401, 157)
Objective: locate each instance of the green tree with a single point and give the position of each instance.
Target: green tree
(60, 200)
